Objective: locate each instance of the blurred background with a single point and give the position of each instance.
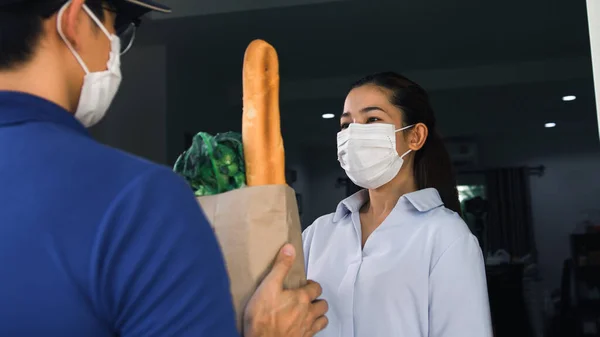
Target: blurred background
(512, 86)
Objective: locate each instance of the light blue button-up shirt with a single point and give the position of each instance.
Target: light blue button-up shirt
(420, 273)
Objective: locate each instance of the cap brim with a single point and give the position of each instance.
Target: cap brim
(148, 5)
(128, 10)
(135, 9)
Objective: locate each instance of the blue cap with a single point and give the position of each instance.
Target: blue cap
(133, 8)
(140, 7)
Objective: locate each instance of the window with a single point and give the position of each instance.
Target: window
(474, 216)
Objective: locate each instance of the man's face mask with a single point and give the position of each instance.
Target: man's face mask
(99, 88)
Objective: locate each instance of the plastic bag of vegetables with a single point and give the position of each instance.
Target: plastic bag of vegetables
(213, 164)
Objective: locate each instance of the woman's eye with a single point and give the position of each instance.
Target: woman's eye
(373, 120)
(345, 126)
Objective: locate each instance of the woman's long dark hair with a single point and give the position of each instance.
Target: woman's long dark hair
(432, 165)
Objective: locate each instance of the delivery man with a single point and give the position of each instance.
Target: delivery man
(93, 241)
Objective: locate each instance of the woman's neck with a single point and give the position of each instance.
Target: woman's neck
(381, 203)
(383, 199)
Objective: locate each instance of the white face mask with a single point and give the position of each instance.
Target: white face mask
(99, 88)
(367, 152)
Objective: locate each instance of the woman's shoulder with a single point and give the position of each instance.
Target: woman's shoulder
(329, 222)
(447, 222)
(428, 209)
(317, 234)
(324, 220)
(321, 223)
(445, 228)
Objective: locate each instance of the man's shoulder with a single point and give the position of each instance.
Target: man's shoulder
(132, 175)
(117, 167)
(61, 151)
(97, 175)
(124, 163)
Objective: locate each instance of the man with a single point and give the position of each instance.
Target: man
(93, 241)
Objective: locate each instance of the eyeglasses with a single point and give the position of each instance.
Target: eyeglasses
(125, 28)
(127, 35)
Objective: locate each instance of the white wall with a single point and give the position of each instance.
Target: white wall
(136, 121)
(593, 9)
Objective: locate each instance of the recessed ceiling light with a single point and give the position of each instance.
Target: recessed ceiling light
(328, 116)
(550, 125)
(569, 98)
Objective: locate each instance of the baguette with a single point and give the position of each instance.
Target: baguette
(264, 154)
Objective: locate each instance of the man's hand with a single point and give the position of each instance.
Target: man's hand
(275, 312)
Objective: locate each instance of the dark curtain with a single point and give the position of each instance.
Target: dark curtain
(509, 222)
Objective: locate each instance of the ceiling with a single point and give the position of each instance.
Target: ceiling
(492, 68)
(349, 37)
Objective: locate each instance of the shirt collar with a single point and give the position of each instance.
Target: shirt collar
(17, 108)
(423, 200)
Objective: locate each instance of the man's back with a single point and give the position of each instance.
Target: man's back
(95, 242)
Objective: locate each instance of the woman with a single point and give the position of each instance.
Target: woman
(396, 259)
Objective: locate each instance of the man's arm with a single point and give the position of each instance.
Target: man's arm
(158, 270)
(275, 312)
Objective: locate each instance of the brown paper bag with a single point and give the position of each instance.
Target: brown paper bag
(252, 224)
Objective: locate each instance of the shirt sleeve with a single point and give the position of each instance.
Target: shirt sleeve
(458, 297)
(157, 267)
(307, 236)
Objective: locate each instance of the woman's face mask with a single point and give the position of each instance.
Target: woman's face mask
(367, 152)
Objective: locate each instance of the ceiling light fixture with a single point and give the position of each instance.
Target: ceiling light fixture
(550, 125)
(569, 98)
(328, 116)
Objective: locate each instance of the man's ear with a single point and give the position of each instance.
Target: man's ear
(418, 136)
(71, 23)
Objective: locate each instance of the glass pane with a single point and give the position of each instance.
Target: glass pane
(468, 192)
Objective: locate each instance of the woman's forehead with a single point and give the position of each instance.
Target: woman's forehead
(367, 95)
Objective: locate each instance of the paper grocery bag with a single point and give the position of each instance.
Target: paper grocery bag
(252, 224)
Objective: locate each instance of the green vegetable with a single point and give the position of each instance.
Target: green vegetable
(213, 164)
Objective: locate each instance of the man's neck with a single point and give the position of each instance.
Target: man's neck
(38, 78)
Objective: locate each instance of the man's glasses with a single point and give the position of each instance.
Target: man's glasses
(125, 28)
(127, 35)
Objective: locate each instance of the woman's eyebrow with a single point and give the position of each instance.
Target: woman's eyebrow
(371, 108)
(364, 110)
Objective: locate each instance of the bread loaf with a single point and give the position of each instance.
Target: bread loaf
(261, 130)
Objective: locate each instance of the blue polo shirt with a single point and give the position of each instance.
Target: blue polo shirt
(95, 242)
